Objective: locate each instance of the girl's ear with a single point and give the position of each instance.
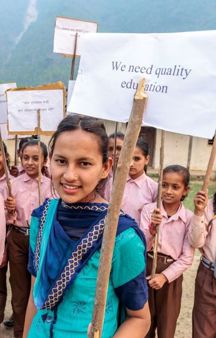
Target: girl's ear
(147, 158)
(107, 167)
(185, 193)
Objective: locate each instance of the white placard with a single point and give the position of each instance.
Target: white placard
(180, 69)
(3, 101)
(64, 35)
(23, 106)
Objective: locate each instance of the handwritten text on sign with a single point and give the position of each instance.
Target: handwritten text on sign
(23, 106)
(65, 30)
(180, 73)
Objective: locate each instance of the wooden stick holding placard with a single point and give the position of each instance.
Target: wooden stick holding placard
(156, 238)
(15, 150)
(189, 152)
(5, 166)
(114, 150)
(38, 129)
(210, 165)
(112, 217)
(74, 58)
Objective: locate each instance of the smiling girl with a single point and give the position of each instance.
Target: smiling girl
(20, 206)
(175, 254)
(65, 241)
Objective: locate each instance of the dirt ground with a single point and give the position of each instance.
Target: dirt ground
(183, 329)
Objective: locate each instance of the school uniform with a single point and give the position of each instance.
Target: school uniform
(202, 234)
(3, 269)
(138, 192)
(106, 190)
(25, 191)
(175, 255)
(2, 228)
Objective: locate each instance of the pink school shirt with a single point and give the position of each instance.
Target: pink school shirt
(137, 193)
(3, 185)
(201, 235)
(173, 239)
(25, 191)
(107, 190)
(2, 228)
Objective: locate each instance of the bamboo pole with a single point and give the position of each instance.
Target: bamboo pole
(15, 150)
(156, 238)
(111, 222)
(114, 151)
(190, 145)
(5, 166)
(74, 58)
(39, 155)
(210, 166)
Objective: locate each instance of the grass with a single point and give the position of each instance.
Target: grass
(194, 187)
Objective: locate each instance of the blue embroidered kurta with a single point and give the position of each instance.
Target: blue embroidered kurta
(64, 228)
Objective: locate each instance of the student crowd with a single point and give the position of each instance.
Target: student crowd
(50, 241)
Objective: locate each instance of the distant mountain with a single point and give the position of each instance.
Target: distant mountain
(27, 29)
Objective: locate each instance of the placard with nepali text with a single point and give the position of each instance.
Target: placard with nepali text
(180, 74)
(64, 35)
(24, 103)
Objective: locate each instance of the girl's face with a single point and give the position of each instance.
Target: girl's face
(77, 165)
(111, 148)
(173, 188)
(139, 160)
(30, 160)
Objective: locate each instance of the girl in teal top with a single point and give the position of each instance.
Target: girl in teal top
(65, 240)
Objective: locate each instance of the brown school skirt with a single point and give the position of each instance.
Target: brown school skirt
(165, 303)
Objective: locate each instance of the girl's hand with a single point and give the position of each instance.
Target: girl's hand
(200, 202)
(10, 204)
(157, 281)
(156, 217)
(152, 229)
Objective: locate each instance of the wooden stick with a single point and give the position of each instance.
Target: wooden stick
(74, 58)
(111, 223)
(210, 166)
(5, 166)
(156, 238)
(114, 151)
(189, 152)
(15, 150)
(39, 156)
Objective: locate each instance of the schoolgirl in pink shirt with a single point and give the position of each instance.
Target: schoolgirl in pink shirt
(3, 183)
(4, 263)
(2, 229)
(19, 207)
(175, 254)
(140, 189)
(3, 193)
(202, 235)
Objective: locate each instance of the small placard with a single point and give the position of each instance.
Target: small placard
(65, 30)
(24, 103)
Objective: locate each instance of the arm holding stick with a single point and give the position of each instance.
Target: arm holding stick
(199, 225)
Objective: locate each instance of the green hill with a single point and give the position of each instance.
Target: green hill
(30, 61)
